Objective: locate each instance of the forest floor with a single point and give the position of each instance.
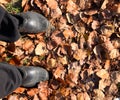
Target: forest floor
(82, 54)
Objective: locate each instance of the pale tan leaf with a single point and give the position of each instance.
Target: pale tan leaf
(114, 53)
(52, 62)
(41, 49)
(103, 74)
(99, 95)
(103, 83)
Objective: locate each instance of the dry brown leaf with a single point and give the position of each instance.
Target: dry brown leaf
(52, 62)
(41, 49)
(92, 39)
(72, 7)
(24, 2)
(44, 90)
(74, 46)
(68, 34)
(114, 53)
(104, 4)
(73, 96)
(57, 37)
(107, 65)
(4, 1)
(115, 76)
(99, 95)
(65, 91)
(103, 74)
(80, 54)
(59, 72)
(20, 90)
(116, 43)
(63, 60)
(2, 50)
(107, 30)
(83, 96)
(13, 97)
(73, 72)
(36, 97)
(2, 43)
(52, 4)
(95, 24)
(32, 92)
(103, 83)
(113, 89)
(11, 47)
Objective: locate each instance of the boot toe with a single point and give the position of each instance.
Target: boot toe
(32, 75)
(32, 22)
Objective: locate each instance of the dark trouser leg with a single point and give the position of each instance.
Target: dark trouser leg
(8, 27)
(10, 79)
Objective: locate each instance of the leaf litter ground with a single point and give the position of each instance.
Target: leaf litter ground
(82, 54)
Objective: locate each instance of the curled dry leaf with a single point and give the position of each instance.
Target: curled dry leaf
(41, 49)
(100, 52)
(104, 4)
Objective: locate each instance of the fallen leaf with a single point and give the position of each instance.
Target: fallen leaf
(103, 74)
(99, 95)
(72, 7)
(44, 90)
(80, 54)
(114, 53)
(68, 34)
(59, 72)
(32, 92)
(104, 4)
(41, 49)
(103, 83)
(83, 96)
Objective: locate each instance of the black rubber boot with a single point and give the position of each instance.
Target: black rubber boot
(32, 75)
(32, 22)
